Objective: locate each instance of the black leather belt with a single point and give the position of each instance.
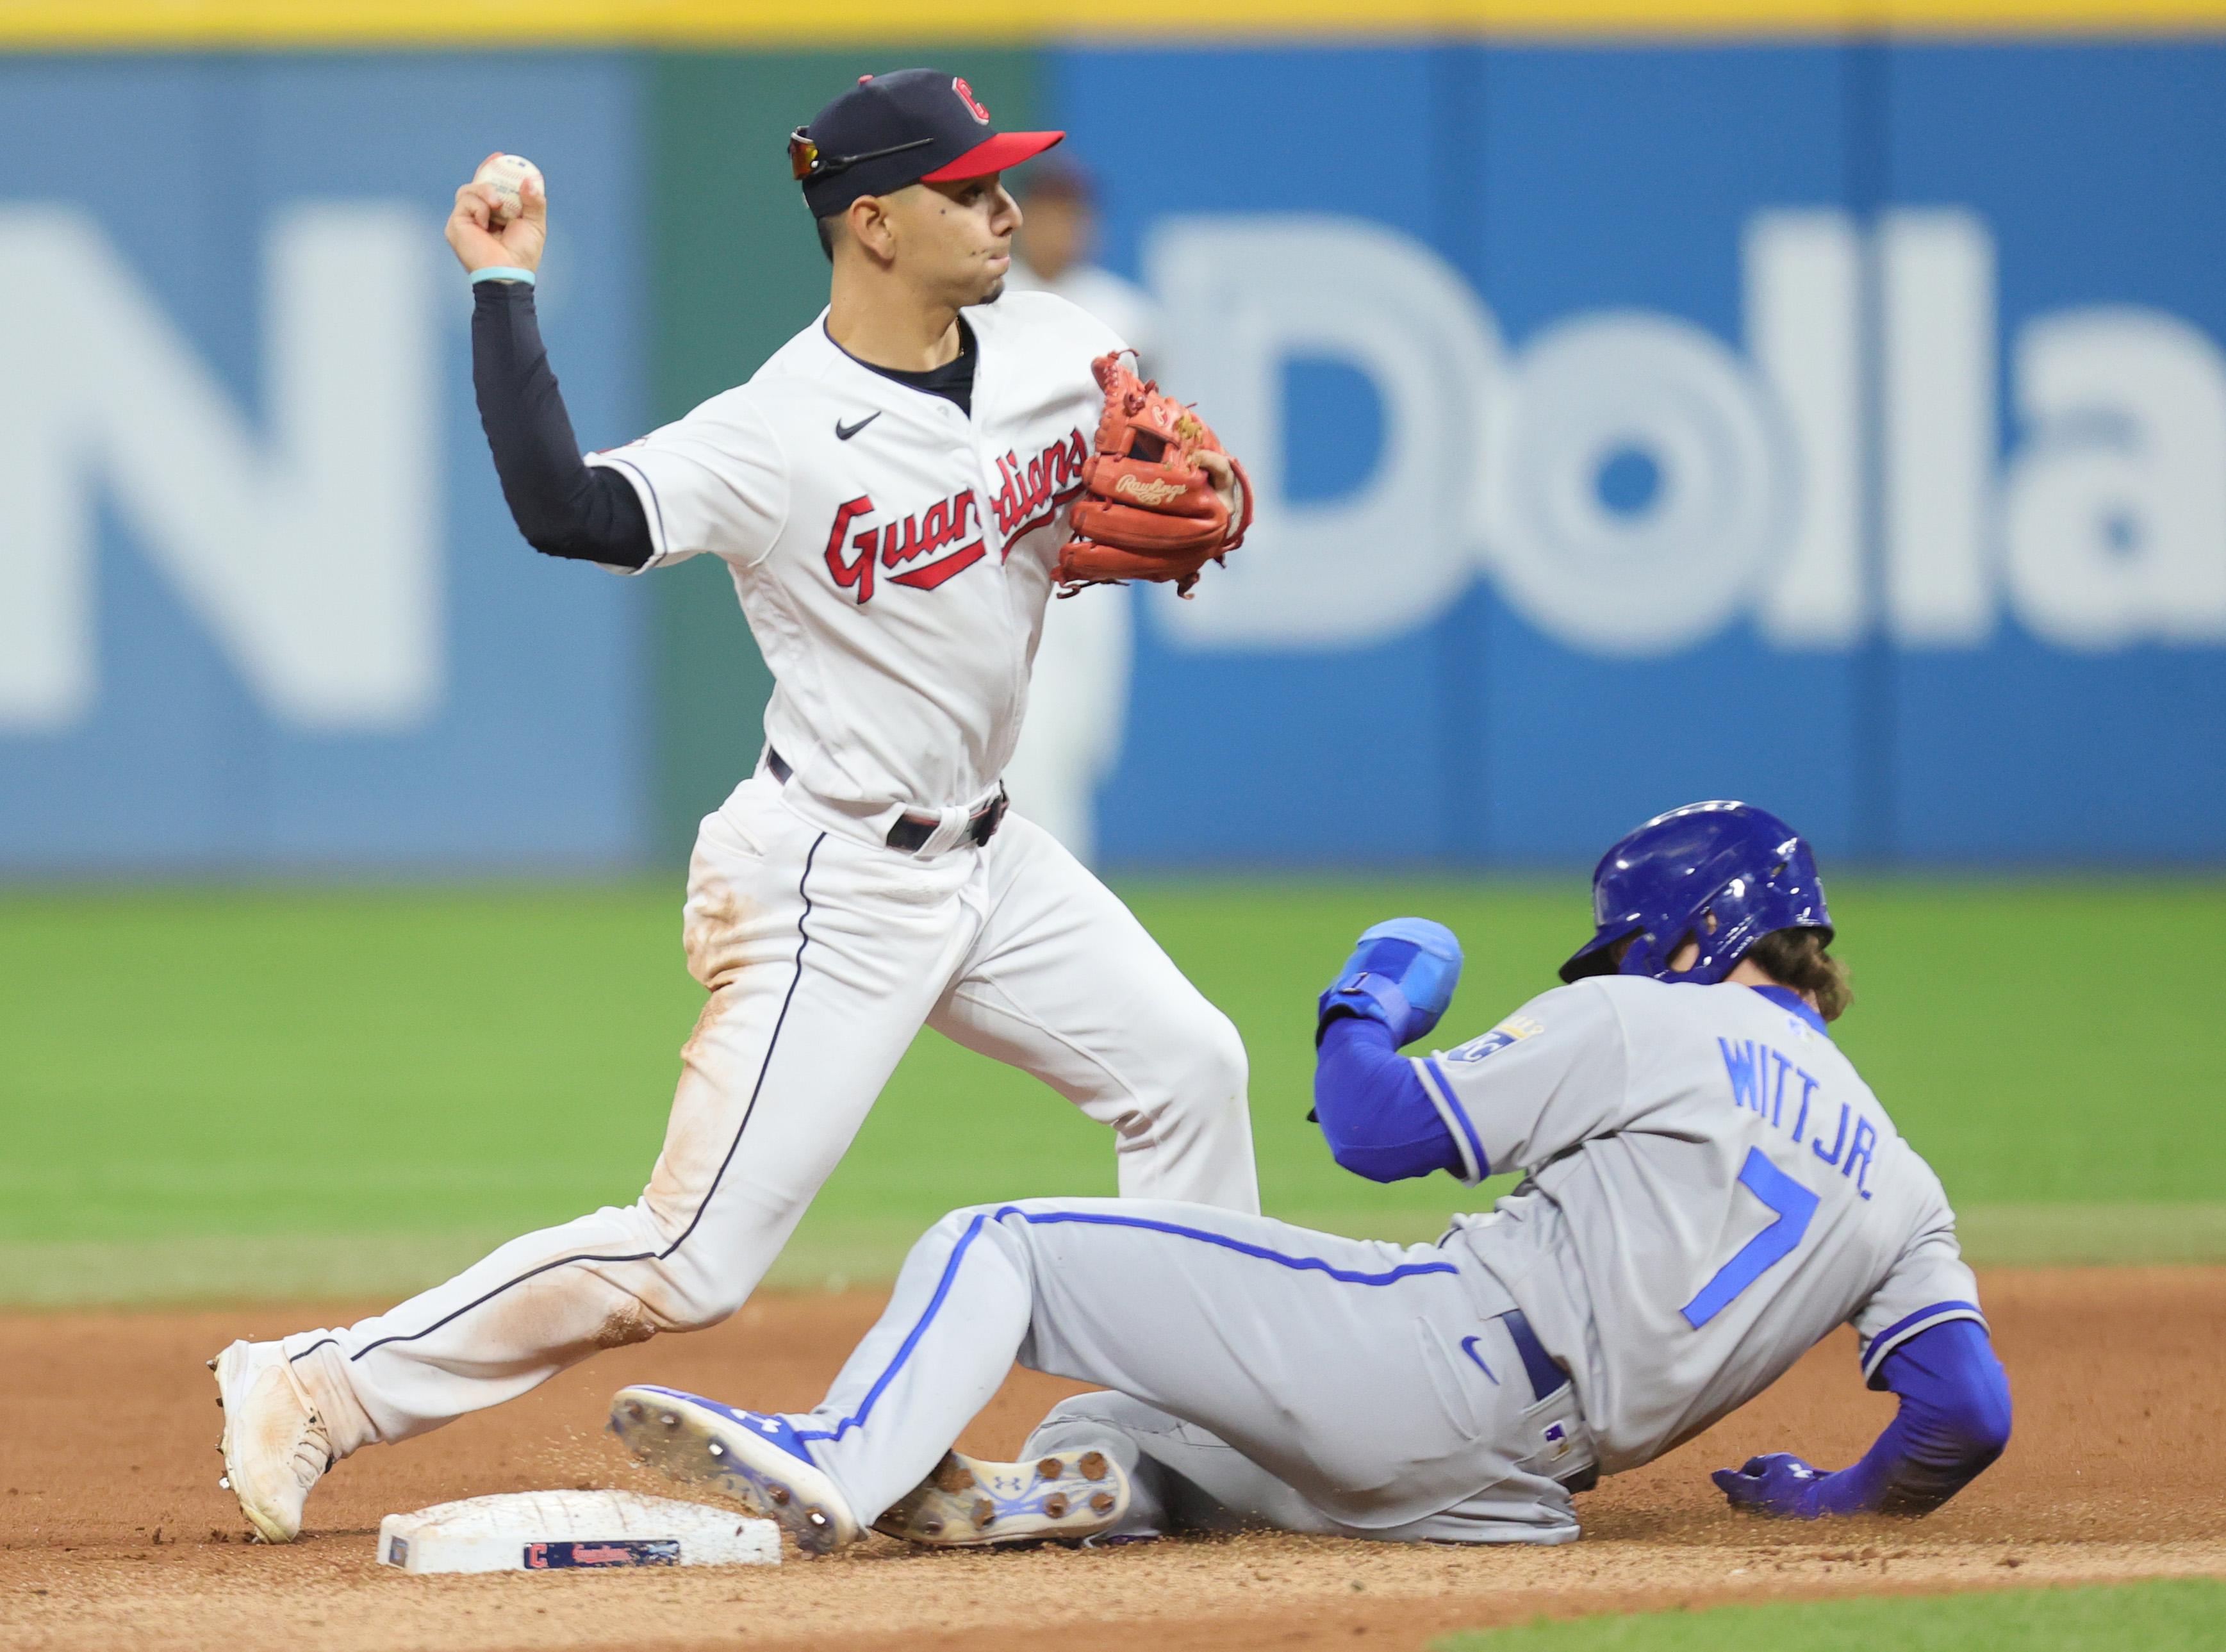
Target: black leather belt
(911, 832)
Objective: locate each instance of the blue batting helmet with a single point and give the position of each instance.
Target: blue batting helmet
(1723, 874)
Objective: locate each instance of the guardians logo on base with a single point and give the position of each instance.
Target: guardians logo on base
(663, 1551)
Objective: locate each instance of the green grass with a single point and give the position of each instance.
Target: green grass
(183, 1070)
(2177, 1615)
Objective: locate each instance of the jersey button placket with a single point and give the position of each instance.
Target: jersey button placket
(985, 463)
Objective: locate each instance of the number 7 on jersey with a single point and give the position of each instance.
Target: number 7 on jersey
(1795, 1206)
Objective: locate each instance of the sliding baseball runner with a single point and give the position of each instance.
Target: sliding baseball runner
(1710, 1189)
(895, 492)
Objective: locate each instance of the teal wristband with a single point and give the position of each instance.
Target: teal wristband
(502, 272)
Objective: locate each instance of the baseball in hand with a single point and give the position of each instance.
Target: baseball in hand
(506, 172)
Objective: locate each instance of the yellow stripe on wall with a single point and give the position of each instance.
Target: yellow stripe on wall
(110, 24)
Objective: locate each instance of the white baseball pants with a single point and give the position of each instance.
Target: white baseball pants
(824, 953)
(1262, 1374)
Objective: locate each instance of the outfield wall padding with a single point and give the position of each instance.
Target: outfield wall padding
(1839, 423)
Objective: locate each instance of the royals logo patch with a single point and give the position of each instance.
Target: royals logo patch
(1513, 1030)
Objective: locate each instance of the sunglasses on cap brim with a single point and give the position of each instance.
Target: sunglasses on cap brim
(805, 160)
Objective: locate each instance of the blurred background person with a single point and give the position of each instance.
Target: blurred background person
(1056, 251)
(1078, 697)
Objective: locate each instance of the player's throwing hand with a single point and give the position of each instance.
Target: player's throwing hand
(484, 239)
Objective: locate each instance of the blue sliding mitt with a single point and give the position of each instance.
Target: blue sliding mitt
(1401, 973)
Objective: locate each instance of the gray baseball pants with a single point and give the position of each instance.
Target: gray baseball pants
(1260, 1373)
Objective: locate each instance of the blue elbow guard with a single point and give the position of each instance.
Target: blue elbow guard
(1401, 973)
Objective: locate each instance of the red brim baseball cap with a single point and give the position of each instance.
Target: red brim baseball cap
(913, 126)
(1006, 150)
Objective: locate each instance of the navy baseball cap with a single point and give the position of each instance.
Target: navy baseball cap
(913, 126)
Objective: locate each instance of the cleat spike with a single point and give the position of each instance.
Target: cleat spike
(744, 1456)
(963, 1503)
(951, 1474)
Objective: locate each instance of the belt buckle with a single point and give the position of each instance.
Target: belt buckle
(911, 832)
(983, 826)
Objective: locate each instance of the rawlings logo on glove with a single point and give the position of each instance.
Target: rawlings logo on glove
(1149, 511)
(1150, 495)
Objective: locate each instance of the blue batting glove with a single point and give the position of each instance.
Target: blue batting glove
(1401, 973)
(1780, 1485)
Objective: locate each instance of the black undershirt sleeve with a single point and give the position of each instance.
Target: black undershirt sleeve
(563, 506)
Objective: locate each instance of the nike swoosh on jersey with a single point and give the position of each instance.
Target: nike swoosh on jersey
(844, 432)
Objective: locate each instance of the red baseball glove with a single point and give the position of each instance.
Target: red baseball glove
(1147, 512)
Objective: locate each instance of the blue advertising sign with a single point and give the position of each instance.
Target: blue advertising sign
(1842, 428)
(1839, 427)
(260, 601)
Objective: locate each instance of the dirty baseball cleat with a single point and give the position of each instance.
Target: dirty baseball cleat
(274, 1446)
(749, 1456)
(966, 1502)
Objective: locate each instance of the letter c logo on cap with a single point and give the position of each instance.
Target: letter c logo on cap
(974, 105)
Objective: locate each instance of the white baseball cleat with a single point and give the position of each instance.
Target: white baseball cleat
(274, 1446)
(751, 1456)
(966, 1502)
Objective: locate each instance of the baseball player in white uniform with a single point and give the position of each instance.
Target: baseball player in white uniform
(1710, 1189)
(890, 491)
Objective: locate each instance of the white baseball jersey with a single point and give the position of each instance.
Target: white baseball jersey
(1710, 1189)
(893, 554)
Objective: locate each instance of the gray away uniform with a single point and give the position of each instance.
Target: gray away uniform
(1709, 1190)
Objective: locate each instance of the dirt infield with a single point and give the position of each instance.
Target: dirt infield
(112, 1532)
